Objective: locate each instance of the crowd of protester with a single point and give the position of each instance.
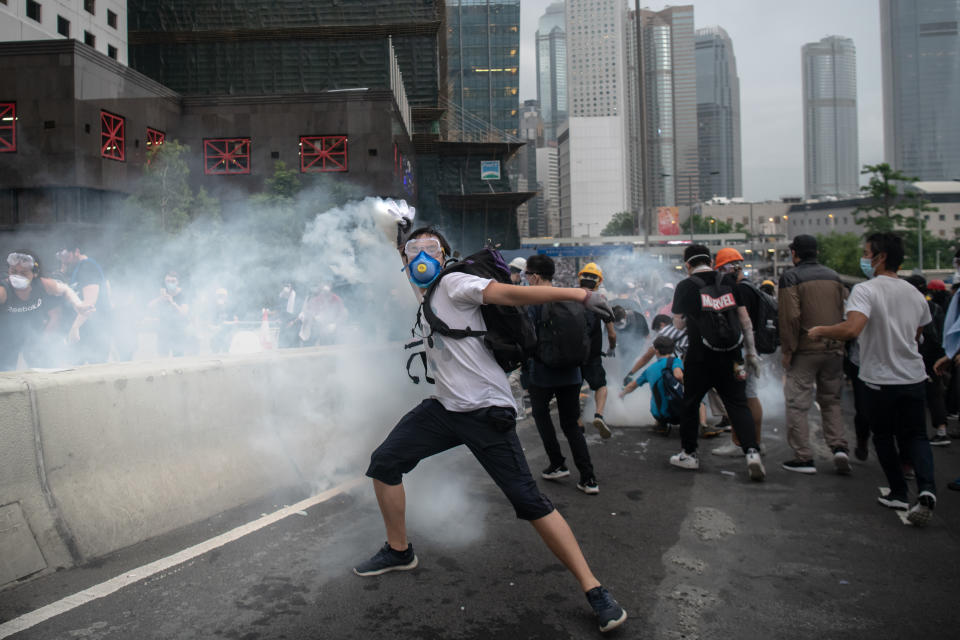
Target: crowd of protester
(68, 311)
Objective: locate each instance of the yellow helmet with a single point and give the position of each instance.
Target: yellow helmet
(592, 269)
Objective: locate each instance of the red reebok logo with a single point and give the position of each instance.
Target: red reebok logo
(718, 304)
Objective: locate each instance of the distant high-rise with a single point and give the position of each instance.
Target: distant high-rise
(483, 66)
(667, 118)
(552, 69)
(921, 87)
(718, 115)
(830, 153)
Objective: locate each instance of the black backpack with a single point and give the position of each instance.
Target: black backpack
(509, 334)
(673, 389)
(718, 322)
(766, 332)
(562, 338)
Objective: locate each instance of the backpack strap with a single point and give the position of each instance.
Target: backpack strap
(438, 325)
(423, 359)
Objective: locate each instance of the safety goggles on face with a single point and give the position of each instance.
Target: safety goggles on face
(430, 246)
(21, 259)
(62, 254)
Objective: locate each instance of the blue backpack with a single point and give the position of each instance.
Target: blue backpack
(673, 390)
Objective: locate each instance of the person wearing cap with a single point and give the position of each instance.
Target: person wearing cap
(517, 266)
(811, 294)
(704, 301)
(729, 261)
(590, 278)
(24, 298)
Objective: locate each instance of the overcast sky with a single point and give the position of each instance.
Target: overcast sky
(767, 36)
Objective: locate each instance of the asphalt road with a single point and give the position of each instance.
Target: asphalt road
(705, 554)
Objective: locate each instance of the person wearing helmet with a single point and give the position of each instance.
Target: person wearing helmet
(729, 261)
(517, 266)
(590, 278)
(769, 287)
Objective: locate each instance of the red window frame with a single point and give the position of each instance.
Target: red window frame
(113, 144)
(226, 156)
(323, 154)
(155, 138)
(8, 127)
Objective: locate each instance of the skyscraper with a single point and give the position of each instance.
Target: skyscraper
(921, 87)
(718, 115)
(594, 181)
(663, 110)
(830, 154)
(483, 66)
(552, 69)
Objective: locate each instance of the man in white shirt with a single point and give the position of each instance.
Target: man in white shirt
(473, 406)
(886, 315)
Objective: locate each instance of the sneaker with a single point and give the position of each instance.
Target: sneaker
(723, 425)
(800, 466)
(685, 460)
(861, 451)
(555, 472)
(706, 431)
(908, 472)
(755, 465)
(939, 441)
(662, 428)
(610, 614)
(842, 462)
(894, 502)
(387, 559)
(589, 486)
(729, 450)
(953, 416)
(601, 426)
(920, 513)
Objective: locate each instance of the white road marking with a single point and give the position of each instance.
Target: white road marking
(103, 589)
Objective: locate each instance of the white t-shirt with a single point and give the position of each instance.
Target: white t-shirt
(888, 342)
(468, 377)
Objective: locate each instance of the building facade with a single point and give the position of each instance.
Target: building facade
(100, 24)
(921, 87)
(718, 115)
(552, 69)
(831, 157)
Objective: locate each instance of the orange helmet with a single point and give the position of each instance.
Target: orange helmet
(726, 255)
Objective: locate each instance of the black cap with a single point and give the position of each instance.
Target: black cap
(804, 243)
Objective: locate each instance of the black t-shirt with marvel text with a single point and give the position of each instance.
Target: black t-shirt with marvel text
(687, 302)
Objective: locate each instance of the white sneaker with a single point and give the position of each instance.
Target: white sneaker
(755, 466)
(842, 462)
(685, 460)
(729, 450)
(919, 514)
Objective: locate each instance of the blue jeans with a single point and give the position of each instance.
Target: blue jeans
(897, 415)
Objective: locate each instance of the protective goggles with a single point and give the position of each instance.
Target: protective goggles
(21, 259)
(430, 246)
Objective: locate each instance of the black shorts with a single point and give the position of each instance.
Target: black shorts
(593, 372)
(429, 429)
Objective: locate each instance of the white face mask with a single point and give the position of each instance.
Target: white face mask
(19, 282)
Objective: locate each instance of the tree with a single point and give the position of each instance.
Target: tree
(620, 225)
(885, 202)
(841, 252)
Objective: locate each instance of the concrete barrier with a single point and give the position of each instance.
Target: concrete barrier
(97, 458)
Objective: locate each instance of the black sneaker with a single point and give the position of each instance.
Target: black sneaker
(800, 466)
(601, 426)
(920, 513)
(387, 559)
(939, 441)
(555, 472)
(610, 615)
(589, 486)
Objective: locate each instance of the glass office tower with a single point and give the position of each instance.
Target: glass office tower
(718, 115)
(552, 69)
(921, 87)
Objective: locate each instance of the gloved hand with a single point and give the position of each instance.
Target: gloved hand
(627, 380)
(611, 352)
(753, 364)
(598, 304)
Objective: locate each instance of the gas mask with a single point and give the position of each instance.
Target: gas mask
(424, 257)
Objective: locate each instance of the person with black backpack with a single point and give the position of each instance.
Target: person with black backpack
(762, 309)
(563, 345)
(468, 356)
(665, 377)
(709, 305)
